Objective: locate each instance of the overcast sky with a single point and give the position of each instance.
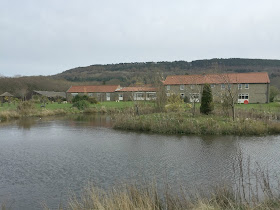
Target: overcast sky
(39, 37)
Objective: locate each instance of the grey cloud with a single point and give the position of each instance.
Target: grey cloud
(47, 37)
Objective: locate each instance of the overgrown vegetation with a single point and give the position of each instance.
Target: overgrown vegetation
(176, 118)
(184, 123)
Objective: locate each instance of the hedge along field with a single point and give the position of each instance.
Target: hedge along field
(184, 123)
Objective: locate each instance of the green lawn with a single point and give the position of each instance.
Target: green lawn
(113, 104)
(6, 106)
(274, 106)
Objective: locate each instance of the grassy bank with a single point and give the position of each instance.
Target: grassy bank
(184, 123)
(11, 111)
(148, 198)
(252, 188)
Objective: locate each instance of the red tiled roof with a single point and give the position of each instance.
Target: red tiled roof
(138, 89)
(254, 77)
(93, 89)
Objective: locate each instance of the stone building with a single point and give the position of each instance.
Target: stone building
(244, 87)
(146, 93)
(100, 92)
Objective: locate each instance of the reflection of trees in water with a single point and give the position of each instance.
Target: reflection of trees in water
(26, 123)
(91, 120)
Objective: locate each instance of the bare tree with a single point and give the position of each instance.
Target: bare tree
(195, 91)
(229, 94)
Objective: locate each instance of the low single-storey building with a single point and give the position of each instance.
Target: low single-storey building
(137, 93)
(245, 87)
(100, 92)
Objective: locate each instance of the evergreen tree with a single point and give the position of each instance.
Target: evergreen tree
(206, 100)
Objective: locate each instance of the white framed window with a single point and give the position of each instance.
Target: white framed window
(212, 85)
(194, 97)
(243, 96)
(246, 86)
(90, 94)
(192, 86)
(223, 86)
(151, 95)
(239, 86)
(182, 87)
(167, 94)
(168, 87)
(139, 95)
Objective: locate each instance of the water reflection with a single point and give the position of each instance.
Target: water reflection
(47, 157)
(26, 123)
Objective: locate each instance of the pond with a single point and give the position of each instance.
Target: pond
(44, 160)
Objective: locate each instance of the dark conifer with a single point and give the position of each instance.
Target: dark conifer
(206, 100)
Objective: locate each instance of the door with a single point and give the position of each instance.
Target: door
(108, 98)
(120, 97)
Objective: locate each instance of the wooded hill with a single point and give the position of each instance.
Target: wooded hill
(131, 73)
(137, 73)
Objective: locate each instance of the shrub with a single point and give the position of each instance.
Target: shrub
(82, 104)
(206, 100)
(25, 107)
(174, 104)
(92, 100)
(80, 98)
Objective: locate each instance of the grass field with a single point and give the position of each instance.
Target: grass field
(263, 107)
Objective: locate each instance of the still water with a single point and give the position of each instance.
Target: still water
(45, 160)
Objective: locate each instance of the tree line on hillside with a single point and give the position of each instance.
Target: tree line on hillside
(141, 72)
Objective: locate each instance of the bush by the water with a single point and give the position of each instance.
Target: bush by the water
(91, 100)
(25, 107)
(83, 101)
(79, 98)
(81, 104)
